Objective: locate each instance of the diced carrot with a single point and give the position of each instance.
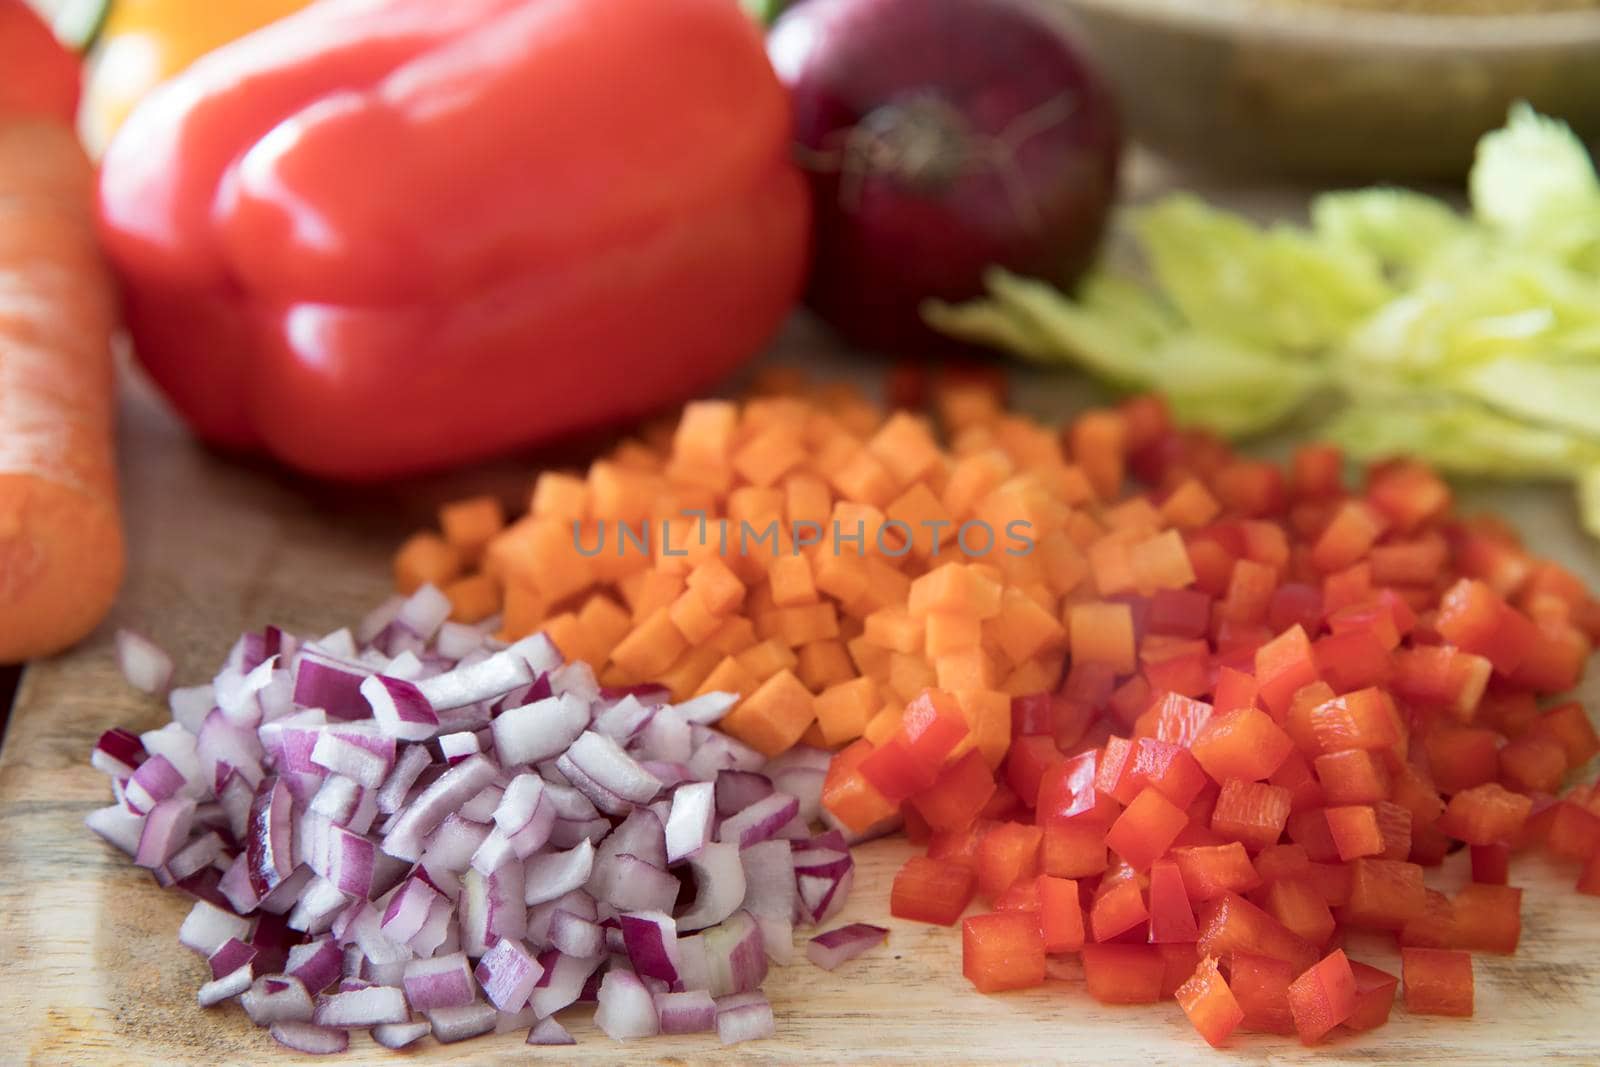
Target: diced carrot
(426, 559)
(772, 718)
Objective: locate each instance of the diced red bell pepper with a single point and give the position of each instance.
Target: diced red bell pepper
(1169, 768)
(916, 828)
(1253, 813)
(1533, 764)
(959, 846)
(1067, 793)
(1437, 981)
(1571, 832)
(894, 771)
(1285, 665)
(1008, 853)
(1231, 924)
(1469, 616)
(1436, 926)
(1143, 833)
(1349, 535)
(1430, 845)
(1123, 973)
(1375, 617)
(1408, 493)
(1415, 791)
(932, 725)
(1335, 880)
(1003, 806)
(1569, 725)
(1365, 719)
(1310, 830)
(1022, 896)
(1589, 880)
(1384, 894)
(1316, 470)
(1555, 662)
(1488, 918)
(1113, 774)
(1171, 914)
(1027, 761)
(1282, 861)
(1210, 1004)
(1439, 676)
(1374, 997)
(1243, 744)
(1462, 757)
(1118, 909)
(1261, 986)
(1073, 850)
(1491, 864)
(960, 793)
(1212, 870)
(1323, 997)
(1180, 613)
(1305, 792)
(1002, 951)
(1032, 715)
(1179, 959)
(1352, 776)
(1060, 914)
(932, 891)
(1249, 593)
(1250, 487)
(1295, 603)
(1353, 660)
(1342, 588)
(1234, 689)
(1180, 719)
(1187, 672)
(1130, 699)
(1486, 815)
(846, 793)
(1355, 830)
(1300, 907)
(1394, 827)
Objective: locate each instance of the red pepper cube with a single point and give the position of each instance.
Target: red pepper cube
(1261, 986)
(1353, 660)
(1187, 673)
(1004, 805)
(1212, 870)
(1253, 813)
(1555, 662)
(1234, 690)
(1352, 776)
(1008, 853)
(1285, 665)
(1299, 905)
(1169, 768)
(1488, 918)
(1060, 914)
(1394, 826)
(1384, 894)
(931, 891)
(1002, 951)
(1067, 794)
(1022, 896)
(1117, 909)
(1178, 719)
(1436, 926)
(1113, 775)
(1571, 831)
(1295, 603)
(1533, 765)
(1179, 613)
(1374, 997)
(895, 772)
(1323, 997)
(1143, 833)
(1171, 914)
(1414, 791)
(1130, 700)
(959, 846)
(1295, 775)
(958, 796)
(1462, 757)
(1353, 585)
(1179, 960)
(1408, 493)
(1210, 1004)
(1486, 815)
(1355, 831)
(1439, 676)
(1027, 762)
(1375, 618)
(1244, 744)
(1071, 850)
(1569, 726)
(1349, 535)
(1491, 864)
(1310, 830)
(1335, 881)
(1123, 974)
(1366, 719)
(1032, 715)
(1249, 593)
(1282, 861)
(1438, 981)
(933, 725)
(1469, 615)
(1232, 924)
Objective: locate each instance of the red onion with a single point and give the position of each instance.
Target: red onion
(508, 974)
(562, 983)
(313, 1040)
(399, 708)
(627, 1010)
(362, 1008)
(166, 827)
(539, 731)
(735, 957)
(225, 988)
(651, 941)
(549, 1031)
(553, 874)
(155, 780)
(744, 1017)
(315, 963)
(942, 138)
(689, 1012)
(737, 790)
(118, 753)
(275, 998)
(441, 982)
(145, 665)
(399, 1035)
(230, 956)
(719, 886)
(760, 821)
(831, 949)
(689, 824)
(207, 928)
(459, 1024)
(574, 935)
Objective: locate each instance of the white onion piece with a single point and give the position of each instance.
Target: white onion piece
(737, 790)
(603, 760)
(508, 974)
(689, 824)
(627, 1011)
(458, 1024)
(714, 752)
(145, 665)
(190, 704)
(485, 680)
(480, 808)
(117, 826)
(441, 982)
(507, 1021)
(274, 998)
(439, 929)
(399, 1035)
(573, 935)
(555, 874)
(576, 678)
(408, 910)
(458, 746)
(312, 1040)
(689, 1012)
(564, 980)
(423, 612)
(719, 886)
(207, 928)
(407, 769)
(549, 1031)
(744, 1017)
(362, 1008)
(364, 758)
(228, 986)
(452, 845)
(539, 731)
(633, 884)
(448, 792)
(707, 708)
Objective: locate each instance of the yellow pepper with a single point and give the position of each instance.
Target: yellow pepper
(146, 42)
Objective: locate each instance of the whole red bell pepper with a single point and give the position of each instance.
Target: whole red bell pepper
(382, 236)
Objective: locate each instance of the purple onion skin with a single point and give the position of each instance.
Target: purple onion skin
(941, 138)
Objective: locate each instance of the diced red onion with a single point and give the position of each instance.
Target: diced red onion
(574, 935)
(549, 1031)
(719, 886)
(118, 753)
(490, 906)
(399, 1035)
(399, 707)
(337, 799)
(145, 665)
(689, 1012)
(269, 836)
(576, 678)
(166, 828)
(117, 826)
(362, 1008)
(633, 884)
(378, 619)
(207, 928)
(689, 825)
(554, 874)
(666, 738)
(332, 684)
(366, 761)
(312, 1040)
(603, 760)
(441, 982)
(274, 998)
(230, 956)
(627, 1010)
(831, 949)
(235, 886)
(759, 822)
(801, 772)
(459, 1024)
(487, 679)
(408, 767)
(458, 746)
(408, 910)
(737, 790)
(524, 814)
(190, 705)
(651, 940)
(316, 964)
(563, 982)
(424, 611)
(451, 790)
(452, 845)
(822, 897)
(221, 741)
(286, 894)
(153, 781)
(621, 719)
(437, 930)
(770, 890)
(707, 708)
(744, 1017)
(340, 643)
(568, 834)
(508, 974)
(735, 955)
(714, 752)
(225, 988)
(507, 1021)
(539, 731)
(481, 806)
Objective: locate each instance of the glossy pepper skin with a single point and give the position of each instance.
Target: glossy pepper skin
(385, 236)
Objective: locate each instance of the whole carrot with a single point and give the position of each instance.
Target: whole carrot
(61, 549)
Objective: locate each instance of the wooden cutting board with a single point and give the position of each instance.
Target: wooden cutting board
(91, 972)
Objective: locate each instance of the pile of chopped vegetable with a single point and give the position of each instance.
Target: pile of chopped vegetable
(1259, 744)
(1470, 341)
(418, 828)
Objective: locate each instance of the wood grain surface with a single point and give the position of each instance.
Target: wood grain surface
(91, 972)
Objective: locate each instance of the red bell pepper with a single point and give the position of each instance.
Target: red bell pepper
(1210, 1004)
(381, 236)
(1123, 974)
(931, 891)
(1323, 997)
(1002, 951)
(1437, 981)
